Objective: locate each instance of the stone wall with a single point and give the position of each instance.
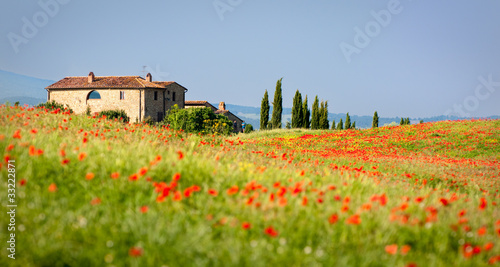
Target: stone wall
(179, 96)
(77, 100)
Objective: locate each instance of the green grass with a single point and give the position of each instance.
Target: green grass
(459, 162)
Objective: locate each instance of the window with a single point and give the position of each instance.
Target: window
(94, 95)
(122, 95)
(173, 96)
(156, 95)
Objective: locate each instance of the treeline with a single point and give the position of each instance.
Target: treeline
(303, 117)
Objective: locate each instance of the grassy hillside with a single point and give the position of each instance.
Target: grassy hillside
(96, 192)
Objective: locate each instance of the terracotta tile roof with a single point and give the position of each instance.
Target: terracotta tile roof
(107, 82)
(195, 102)
(221, 111)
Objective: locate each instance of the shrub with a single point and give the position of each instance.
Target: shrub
(114, 114)
(53, 105)
(249, 128)
(198, 120)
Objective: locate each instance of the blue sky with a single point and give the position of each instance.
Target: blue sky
(429, 58)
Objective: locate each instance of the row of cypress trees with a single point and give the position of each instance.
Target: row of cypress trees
(301, 113)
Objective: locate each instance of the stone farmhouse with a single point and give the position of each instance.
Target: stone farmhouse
(138, 97)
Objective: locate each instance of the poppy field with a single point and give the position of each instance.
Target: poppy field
(96, 192)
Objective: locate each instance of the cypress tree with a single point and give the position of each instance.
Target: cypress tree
(347, 121)
(340, 125)
(333, 124)
(402, 122)
(353, 126)
(277, 106)
(324, 118)
(264, 111)
(297, 115)
(375, 120)
(306, 123)
(315, 114)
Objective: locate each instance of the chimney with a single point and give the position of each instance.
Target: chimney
(91, 77)
(222, 106)
(149, 78)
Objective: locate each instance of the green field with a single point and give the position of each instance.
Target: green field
(98, 192)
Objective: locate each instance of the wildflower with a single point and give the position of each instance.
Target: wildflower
(64, 161)
(10, 147)
(89, 176)
(462, 213)
(354, 219)
(135, 252)
(333, 218)
(82, 156)
(405, 249)
(391, 249)
(133, 177)
(213, 192)
(22, 182)
(34, 131)
(180, 155)
(176, 177)
(246, 225)
(52, 187)
(17, 134)
(270, 231)
(144, 209)
(444, 201)
(233, 190)
(481, 231)
(177, 196)
(304, 201)
(143, 171)
(95, 201)
(488, 246)
(115, 175)
(483, 204)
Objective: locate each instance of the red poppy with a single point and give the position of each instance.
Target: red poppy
(144, 209)
(95, 201)
(17, 134)
(10, 147)
(391, 249)
(233, 190)
(143, 171)
(354, 219)
(22, 182)
(405, 249)
(177, 196)
(135, 252)
(180, 154)
(333, 218)
(176, 177)
(52, 187)
(444, 201)
(481, 231)
(89, 176)
(270, 231)
(483, 203)
(213, 192)
(133, 177)
(304, 201)
(82, 156)
(64, 161)
(115, 175)
(246, 225)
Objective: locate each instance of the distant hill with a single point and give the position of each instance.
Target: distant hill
(29, 90)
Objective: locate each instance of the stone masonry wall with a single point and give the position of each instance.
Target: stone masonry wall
(76, 99)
